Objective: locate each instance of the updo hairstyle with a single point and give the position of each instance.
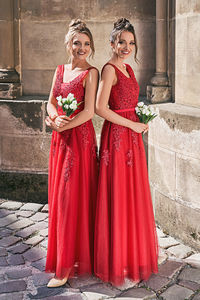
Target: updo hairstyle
(78, 26)
(121, 25)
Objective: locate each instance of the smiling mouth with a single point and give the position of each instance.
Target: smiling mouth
(125, 52)
(81, 53)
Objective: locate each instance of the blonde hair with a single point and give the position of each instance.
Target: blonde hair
(78, 26)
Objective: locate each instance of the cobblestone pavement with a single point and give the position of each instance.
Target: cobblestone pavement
(23, 242)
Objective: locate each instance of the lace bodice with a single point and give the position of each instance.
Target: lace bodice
(125, 93)
(75, 86)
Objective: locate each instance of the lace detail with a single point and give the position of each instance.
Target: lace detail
(84, 130)
(135, 137)
(57, 85)
(129, 156)
(117, 133)
(125, 93)
(105, 157)
(69, 164)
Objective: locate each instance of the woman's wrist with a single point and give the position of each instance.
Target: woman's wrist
(53, 116)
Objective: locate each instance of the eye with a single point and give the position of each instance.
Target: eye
(132, 43)
(120, 42)
(87, 44)
(76, 43)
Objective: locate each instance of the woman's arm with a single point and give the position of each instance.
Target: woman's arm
(87, 113)
(52, 107)
(102, 109)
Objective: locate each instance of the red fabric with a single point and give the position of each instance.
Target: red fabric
(125, 234)
(73, 175)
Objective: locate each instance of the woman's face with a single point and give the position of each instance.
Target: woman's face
(80, 46)
(124, 45)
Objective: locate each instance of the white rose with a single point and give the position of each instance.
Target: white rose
(70, 97)
(73, 106)
(66, 106)
(137, 110)
(59, 98)
(148, 113)
(60, 103)
(144, 111)
(140, 104)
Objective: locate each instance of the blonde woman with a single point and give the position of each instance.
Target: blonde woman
(72, 162)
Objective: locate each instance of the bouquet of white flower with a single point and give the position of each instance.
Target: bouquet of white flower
(69, 104)
(145, 113)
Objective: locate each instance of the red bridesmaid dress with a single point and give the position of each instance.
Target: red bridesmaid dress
(125, 233)
(73, 173)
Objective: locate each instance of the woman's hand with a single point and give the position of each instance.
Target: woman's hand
(140, 127)
(52, 124)
(61, 121)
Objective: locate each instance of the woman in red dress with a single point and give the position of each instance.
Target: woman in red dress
(125, 233)
(73, 167)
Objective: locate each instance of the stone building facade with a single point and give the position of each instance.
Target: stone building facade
(32, 45)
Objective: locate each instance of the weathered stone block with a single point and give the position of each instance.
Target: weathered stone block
(25, 153)
(161, 176)
(177, 221)
(176, 128)
(21, 117)
(10, 90)
(176, 292)
(158, 94)
(188, 185)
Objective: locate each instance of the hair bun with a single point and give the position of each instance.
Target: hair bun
(122, 23)
(77, 24)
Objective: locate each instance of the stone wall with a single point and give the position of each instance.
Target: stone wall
(174, 170)
(43, 25)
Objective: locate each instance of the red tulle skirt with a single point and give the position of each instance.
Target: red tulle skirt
(73, 175)
(125, 233)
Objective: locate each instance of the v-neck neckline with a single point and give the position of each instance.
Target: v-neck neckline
(74, 77)
(121, 71)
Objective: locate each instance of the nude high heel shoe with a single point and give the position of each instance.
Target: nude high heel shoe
(56, 282)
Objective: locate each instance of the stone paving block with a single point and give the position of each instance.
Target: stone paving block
(194, 260)
(45, 292)
(101, 288)
(34, 240)
(45, 208)
(69, 297)
(127, 284)
(12, 286)
(156, 282)
(160, 233)
(189, 284)
(180, 251)
(32, 206)
(8, 220)
(190, 274)
(34, 254)
(161, 258)
(26, 232)
(169, 268)
(167, 242)
(16, 259)
(44, 244)
(176, 292)
(3, 262)
(44, 232)
(40, 279)
(9, 241)
(196, 297)
(12, 296)
(40, 264)
(3, 252)
(20, 224)
(12, 205)
(39, 216)
(138, 293)
(5, 232)
(19, 248)
(78, 282)
(25, 213)
(15, 273)
(5, 212)
(2, 277)
(95, 296)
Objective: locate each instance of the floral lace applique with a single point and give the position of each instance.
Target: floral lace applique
(129, 156)
(85, 133)
(135, 137)
(117, 133)
(105, 156)
(69, 162)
